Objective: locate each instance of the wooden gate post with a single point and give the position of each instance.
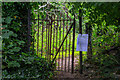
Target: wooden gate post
(80, 32)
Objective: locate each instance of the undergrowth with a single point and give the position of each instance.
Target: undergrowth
(28, 67)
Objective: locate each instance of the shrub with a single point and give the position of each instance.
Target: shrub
(28, 67)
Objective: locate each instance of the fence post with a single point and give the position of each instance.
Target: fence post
(29, 31)
(73, 47)
(80, 32)
(89, 32)
(90, 41)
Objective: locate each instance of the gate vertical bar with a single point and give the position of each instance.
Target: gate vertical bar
(50, 36)
(66, 39)
(63, 36)
(59, 41)
(38, 36)
(39, 47)
(56, 39)
(80, 32)
(29, 30)
(34, 35)
(54, 36)
(42, 39)
(63, 45)
(73, 46)
(66, 48)
(46, 41)
(69, 49)
(60, 38)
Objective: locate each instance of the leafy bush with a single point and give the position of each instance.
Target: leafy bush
(28, 66)
(17, 63)
(104, 66)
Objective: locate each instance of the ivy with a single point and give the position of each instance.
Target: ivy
(17, 62)
(13, 64)
(8, 20)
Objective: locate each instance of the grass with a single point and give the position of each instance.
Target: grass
(59, 55)
(76, 53)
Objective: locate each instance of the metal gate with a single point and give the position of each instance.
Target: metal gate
(54, 37)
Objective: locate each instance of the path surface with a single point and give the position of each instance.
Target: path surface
(62, 75)
(68, 63)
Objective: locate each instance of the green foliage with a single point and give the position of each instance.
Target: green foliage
(13, 64)
(105, 41)
(104, 66)
(28, 66)
(105, 21)
(17, 63)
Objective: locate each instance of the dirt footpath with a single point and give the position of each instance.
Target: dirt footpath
(62, 75)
